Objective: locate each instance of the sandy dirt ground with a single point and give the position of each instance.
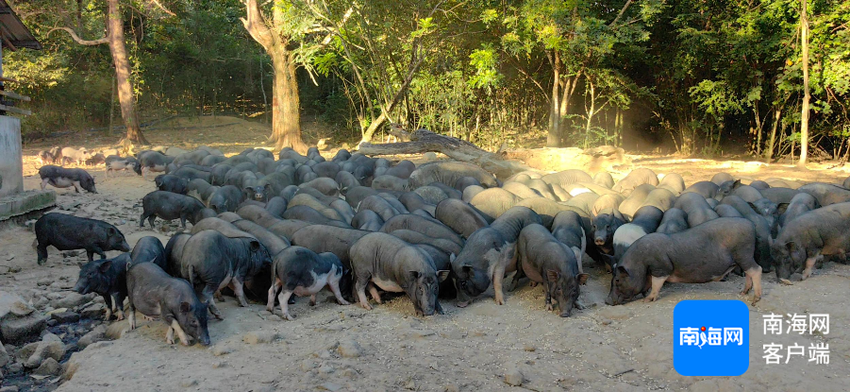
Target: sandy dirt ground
(345, 348)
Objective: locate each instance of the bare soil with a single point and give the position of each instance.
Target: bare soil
(601, 348)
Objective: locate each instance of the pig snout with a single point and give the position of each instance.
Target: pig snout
(566, 313)
(81, 287)
(204, 339)
(125, 247)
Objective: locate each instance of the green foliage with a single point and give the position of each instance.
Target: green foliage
(691, 75)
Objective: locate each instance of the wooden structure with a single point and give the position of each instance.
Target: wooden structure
(14, 201)
(14, 35)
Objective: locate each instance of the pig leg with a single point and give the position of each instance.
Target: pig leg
(548, 302)
(118, 307)
(810, 264)
(90, 254)
(284, 304)
(207, 297)
(313, 300)
(374, 291)
(498, 276)
(272, 292)
(44, 183)
(175, 326)
(334, 285)
(519, 274)
(107, 299)
(239, 291)
(131, 317)
(169, 336)
(753, 282)
(77, 186)
(183, 222)
(360, 289)
(142, 219)
(41, 249)
(438, 308)
(657, 282)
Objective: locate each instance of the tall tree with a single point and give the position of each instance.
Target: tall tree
(278, 41)
(804, 118)
(117, 47)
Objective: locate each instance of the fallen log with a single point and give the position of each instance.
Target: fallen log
(423, 140)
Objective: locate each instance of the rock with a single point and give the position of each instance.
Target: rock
(5, 358)
(44, 350)
(219, 364)
(349, 349)
(71, 300)
(222, 349)
(14, 305)
(93, 312)
(326, 369)
(260, 337)
(117, 330)
(15, 329)
(44, 282)
(430, 156)
(50, 367)
(50, 337)
(513, 377)
(26, 351)
(188, 383)
(95, 335)
(16, 367)
(66, 317)
(329, 386)
(10, 388)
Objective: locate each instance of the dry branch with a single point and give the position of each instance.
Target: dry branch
(423, 140)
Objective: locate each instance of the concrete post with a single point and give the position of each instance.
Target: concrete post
(11, 163)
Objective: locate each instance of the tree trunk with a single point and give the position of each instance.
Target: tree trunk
(804, 118)
(115, 33)
(286, 104)
(554, 138)
(771, 143)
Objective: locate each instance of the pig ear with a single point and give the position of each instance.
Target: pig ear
(111, 231)
(792, 246)
(185, 307)
(622, 270)
(414, 275)
(255, 245)
(105, 266)
(552, 275)
(754, 207)
(736, 184)
(582, 279)
(442, 275)
(619, 215)
(781, 208)
(452, 258)
(468, 270)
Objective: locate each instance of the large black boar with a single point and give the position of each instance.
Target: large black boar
(704, 253)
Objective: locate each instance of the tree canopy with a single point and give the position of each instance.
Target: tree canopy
(693, 76)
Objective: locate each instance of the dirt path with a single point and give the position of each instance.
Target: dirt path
(333, 347)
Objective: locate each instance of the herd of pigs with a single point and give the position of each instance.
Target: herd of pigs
(267, 229)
